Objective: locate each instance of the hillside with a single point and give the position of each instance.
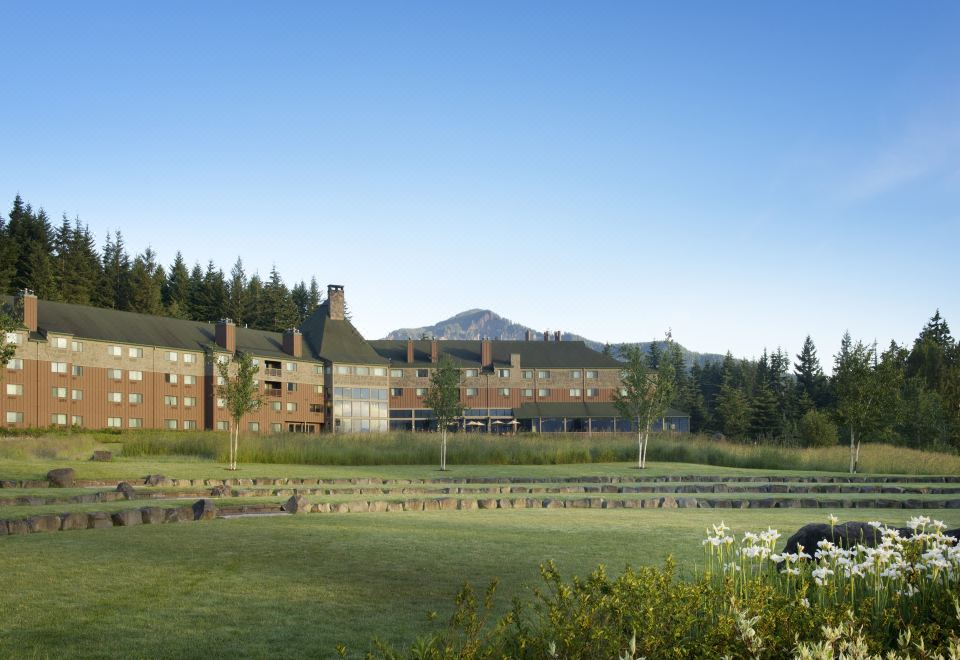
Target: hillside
(484, 323)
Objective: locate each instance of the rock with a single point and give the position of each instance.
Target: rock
(845, 534)
(668, 503)
(70, 521)
(127, 490)
(447, 503)
(220, 491)
(152, 515)
(156, 480)
(127, 518)
(179, 514)
(297, 504)
(467, 504)
(18, 527)
(377, 506)
(204, 510)
(487, 504)
(358, 506)
(102, 456)
(61, 477)
(98, 520)
(49, 523)
(687, 503)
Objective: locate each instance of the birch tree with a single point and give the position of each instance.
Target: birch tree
(443, 398)
(241, 394)
(643, 395)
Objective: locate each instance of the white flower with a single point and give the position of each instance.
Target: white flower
(833, 521)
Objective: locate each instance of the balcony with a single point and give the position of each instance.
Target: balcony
(273, 393)
(270, 371)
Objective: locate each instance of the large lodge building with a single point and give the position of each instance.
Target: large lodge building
(101, 368)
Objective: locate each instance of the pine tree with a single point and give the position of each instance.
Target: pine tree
(176, 289)
(314, 297)
(811, 383)
(146, 284)
(84, 266)
(116, 272)
(278, 306)
(237, 294)
(255, 303)
(300, 298)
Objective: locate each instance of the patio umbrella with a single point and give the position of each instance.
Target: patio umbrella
(474, 423)
(513, 422)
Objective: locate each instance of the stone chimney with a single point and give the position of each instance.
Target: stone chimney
(556, 336)
(336, 306)
(530, 335)
(546, 335)
(293, 342)
(434, 351)
(486, 353)
(27, 307)
(227, 335)
(515, 360)
(409, 351)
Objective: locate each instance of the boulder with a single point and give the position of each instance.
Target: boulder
(61, 477)
(152, 515)
(220, 491)
(18, 527)
(73, 521)
(156, 480)
(178, 514)
(99, 520)
(127, 518)
(297, 504)
(102, 456)
(668, 503)
(204, 510)
(127, 490)
(49, 523)
(487, 504)
(467, 504)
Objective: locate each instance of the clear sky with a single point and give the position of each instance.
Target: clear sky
(743, 173)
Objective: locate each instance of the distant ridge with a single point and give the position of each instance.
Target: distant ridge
(484, 323)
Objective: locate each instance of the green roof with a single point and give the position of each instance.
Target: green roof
(466, 353)
(575, 410)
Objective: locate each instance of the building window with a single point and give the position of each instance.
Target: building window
(77, 420)
(527, 374)
(379, 371)
(223, 425)
(592, 392)
(543, 392)
(59, 342)
(276, 405)
(291, 366)
(396, 373)
(114, 397)
(471, 391)
(189, 380)
(134, 352)
(471, 373)
(253, 427)
(591, 375)
(58, 367)
(396, 391)
(318, 369)
(114, 351)
(113, 422)
(344, 371)
(421, 391)
(189, 401)
(318, 389)
(135, 375)
(221, 403)
(15, 364)
(223, 358)
(188, 358)
(169, 400)
(291, 406)
(58, 419)
(189, 424)
(316, 407)
(76, 395)
(76, 370)
(543, 374)
(362, 371)
(13, 338)
(135, 398)
(504, 391)
(15, 389)
(576, 374)
(170, 356)
(276, 427)
(423, 373)
(528, 392)
(115, 374)
(170, 424)
(503, 373)
(291, 387)
(59, 393)
(170, 378)
(135, 423)
(76, 346)
(574, 391)
(14, 417)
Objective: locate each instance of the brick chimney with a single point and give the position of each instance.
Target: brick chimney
(227, 335)
(530, 335)
(336, 306)
(409, 351)
(434, 351)
(293, 342)
(486, 353)
(27, 306)
(556, 336)
(546, 335)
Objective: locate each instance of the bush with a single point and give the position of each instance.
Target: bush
(817, 430)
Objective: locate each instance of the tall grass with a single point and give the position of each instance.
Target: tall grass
(404, 448)
(75, 446)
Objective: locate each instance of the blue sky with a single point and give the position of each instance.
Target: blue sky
(743, 173)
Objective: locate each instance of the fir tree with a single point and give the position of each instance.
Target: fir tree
(237, 294)
(176, 289)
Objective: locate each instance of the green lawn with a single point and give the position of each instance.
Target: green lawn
(299, 585)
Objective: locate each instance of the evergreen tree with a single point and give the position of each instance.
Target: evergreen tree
(146, 284)
(300, 298)
(237, 294)
(278, 306)
(213, 294)
(176, 289)
(84, 266)
(314, 297)
(196, 304)
(116, 272)
(254, 302)
(811, 383)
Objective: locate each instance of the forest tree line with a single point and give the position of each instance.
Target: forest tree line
(63, 263)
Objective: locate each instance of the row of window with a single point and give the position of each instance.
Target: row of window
(345, 370)
(362, 393)
(526, 374)
(60, 419)
(504, 391)
(137, 352)
(360, 409)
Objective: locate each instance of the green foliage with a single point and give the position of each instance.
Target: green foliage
(240, 392)
(817, 430)
(7, 350)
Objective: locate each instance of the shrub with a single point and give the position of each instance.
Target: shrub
(817, 430)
